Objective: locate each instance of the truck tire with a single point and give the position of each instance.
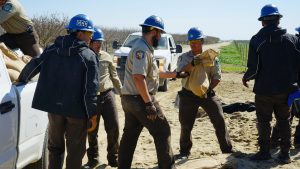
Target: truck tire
(43, 162)
(164, 87)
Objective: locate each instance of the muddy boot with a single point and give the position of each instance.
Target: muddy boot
(284, 157)
(113, 163)
(91, 165)
(182, 156)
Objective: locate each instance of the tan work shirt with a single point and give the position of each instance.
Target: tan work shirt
(140, 61)
(13, 19)
(108, 74)
(213, 72)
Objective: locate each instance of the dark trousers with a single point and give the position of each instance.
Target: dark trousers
(188, 108)
(27, 42)
(135, 120)
(265, 106)
(275, 132)
(106, 107)
(74, 131)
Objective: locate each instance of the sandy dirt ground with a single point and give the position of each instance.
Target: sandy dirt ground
(205, 152)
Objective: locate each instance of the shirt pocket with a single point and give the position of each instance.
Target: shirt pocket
(154, 71)
(104, 67)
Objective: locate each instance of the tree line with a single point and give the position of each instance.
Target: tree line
(49, 26)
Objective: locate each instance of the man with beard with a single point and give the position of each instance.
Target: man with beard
(273, 62)
(138, 98)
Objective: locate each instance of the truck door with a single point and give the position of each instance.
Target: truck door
(8, 120)
(173, 54)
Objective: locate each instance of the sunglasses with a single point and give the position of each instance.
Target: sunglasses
(88, 33)
(196, 41)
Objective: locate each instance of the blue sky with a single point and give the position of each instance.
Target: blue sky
(226, 19)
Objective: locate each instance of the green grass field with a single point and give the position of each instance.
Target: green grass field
(233, 60)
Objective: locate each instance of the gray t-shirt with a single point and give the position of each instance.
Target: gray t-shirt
(140, 61)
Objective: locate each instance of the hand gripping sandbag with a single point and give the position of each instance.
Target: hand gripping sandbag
(207, 58)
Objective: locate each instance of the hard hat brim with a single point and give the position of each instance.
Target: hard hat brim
(163, 31)
(275, 14)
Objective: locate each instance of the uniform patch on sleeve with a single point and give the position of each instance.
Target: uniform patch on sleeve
(7, 7)
(140, 54)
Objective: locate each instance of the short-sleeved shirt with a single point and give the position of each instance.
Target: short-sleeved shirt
(140, 61)
(108, 74)
(13, 19)
(213, 72)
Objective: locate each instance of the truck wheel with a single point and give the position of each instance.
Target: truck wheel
(43, 162)
(164, 87)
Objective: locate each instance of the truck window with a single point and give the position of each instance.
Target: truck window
(129, 42)
(163, 43)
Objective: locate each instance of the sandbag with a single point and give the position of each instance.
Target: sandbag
(198, 81)
(9, 53)
(13, 62)
(16, 64)
(13, 74)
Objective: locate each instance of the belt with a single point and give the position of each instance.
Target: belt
(190, 93)
(150, 93)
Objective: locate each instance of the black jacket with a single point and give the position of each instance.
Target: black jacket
(273, 61)
(68, 80)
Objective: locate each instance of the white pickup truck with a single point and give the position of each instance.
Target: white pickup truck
(23, 130)
(166, 54)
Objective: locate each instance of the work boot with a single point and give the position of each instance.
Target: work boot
(229, 151)
(181, 156)
(261, 156)
(113, 163)
(284, 157)
(91, 165)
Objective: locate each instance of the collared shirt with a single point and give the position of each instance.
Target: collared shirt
(140, 61)
(108, 74)
(213, 72)
(13, 19)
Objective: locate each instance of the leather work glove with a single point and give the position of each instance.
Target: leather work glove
(151, 111)
(245, 82)
(196, 61)
(182, 74)
(92, 124)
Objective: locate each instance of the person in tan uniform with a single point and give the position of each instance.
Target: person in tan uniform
(138, 98)
(106, 106)
(19, 28)
(190, 102)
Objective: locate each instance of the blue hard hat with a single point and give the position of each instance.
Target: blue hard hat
(298, 29)
(98, 35)
(195, 34)
(269, 10)
(80, 22)
(154, 21)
